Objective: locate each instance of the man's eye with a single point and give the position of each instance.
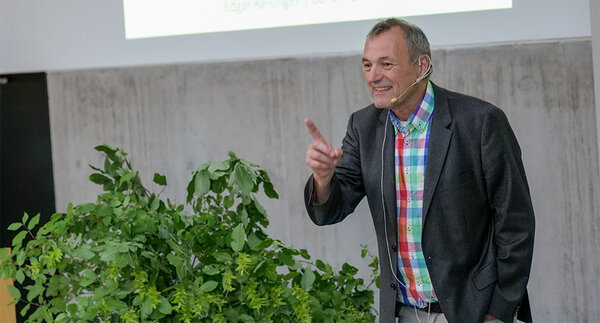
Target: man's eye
(387, 65)
(366, 67)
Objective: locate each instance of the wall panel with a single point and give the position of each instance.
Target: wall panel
(172, 118)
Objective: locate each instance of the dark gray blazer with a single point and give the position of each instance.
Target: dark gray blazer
(478, 218)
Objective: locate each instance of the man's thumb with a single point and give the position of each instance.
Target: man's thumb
(338, 152)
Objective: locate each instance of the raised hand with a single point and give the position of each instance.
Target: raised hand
(322, 158)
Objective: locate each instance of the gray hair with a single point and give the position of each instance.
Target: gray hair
(416, 41)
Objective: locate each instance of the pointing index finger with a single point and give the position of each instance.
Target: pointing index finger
(312, 129)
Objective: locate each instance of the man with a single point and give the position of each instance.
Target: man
(446, 187)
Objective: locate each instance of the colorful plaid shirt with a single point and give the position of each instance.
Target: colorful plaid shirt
(412, 140)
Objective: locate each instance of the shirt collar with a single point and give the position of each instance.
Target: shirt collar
(420, 118)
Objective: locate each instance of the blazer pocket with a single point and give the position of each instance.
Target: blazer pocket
(486, 275)
(464, 179)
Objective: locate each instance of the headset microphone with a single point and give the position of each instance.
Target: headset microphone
(419, 79)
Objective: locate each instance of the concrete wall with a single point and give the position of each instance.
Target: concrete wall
(595, 12)
(172, 118)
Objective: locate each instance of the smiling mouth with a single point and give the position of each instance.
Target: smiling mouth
(382, 88)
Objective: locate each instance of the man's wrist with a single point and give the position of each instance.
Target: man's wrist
(322, 190)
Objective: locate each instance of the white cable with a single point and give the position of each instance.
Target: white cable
(387, 242)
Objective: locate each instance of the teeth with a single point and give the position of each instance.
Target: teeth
(383, 88)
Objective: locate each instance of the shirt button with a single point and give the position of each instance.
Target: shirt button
(393, 286)
(394, 248)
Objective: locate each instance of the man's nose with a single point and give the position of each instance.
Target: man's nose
(373, 75)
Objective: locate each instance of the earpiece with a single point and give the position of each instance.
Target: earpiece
(419, 79)
(427, 73)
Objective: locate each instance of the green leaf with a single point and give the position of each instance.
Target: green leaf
(20, 276)
(191, 188)
(307, 279)
(259, 207)
(181, 270)
(88, 278)
(21, 256)
(141, 238)
(271, 272)
(19, 238)
(245, 217)
(291, 275)
(254, 241)
(106, 149)
(25, 218)
(126, 177)
(174, 259)
(34, 221)
(209, 286)
(14, 292)
(270, 190)
(228, 201)
(243, 179)
(322, 266)
(219, 185)
(304, 254)
(211, 270)
(106, 220)
(155, 203)
(84, 252)
(4, 254)
(202, 183)
(239, 238)
(15, 226)
(222, 257)
(164, 306)
(363, 253)
(259, 266)
(25, 309)
(104, 211)
(86, 208)
(34, 291)
(202, 167)
(286, 259)
(218, 165)
(116, 304)
(146, 308)
(39, 314)
(100, 179)
(160, 179)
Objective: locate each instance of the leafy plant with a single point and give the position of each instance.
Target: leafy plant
(132, 256)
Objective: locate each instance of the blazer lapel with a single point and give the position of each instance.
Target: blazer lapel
(439, 139)
(389, 175)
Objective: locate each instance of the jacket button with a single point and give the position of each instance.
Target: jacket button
(393, 286)
(393, 247)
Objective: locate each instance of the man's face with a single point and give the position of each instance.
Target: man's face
(387, 68)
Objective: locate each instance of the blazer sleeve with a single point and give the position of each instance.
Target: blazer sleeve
(514, 223)
(347, 188)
